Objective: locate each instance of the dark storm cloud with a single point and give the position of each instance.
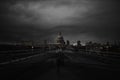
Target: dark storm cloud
(77, 19)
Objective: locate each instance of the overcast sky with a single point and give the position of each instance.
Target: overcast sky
(95, 20)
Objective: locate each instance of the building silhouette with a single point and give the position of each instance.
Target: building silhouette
(60, 39)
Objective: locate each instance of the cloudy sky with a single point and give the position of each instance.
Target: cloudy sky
(95, 20)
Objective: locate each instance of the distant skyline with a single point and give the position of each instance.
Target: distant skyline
(85, 20)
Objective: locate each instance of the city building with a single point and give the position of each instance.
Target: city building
(60, 39)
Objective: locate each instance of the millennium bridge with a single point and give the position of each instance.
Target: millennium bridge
(58, 65)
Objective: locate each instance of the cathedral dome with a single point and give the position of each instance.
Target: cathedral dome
(60, 38)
